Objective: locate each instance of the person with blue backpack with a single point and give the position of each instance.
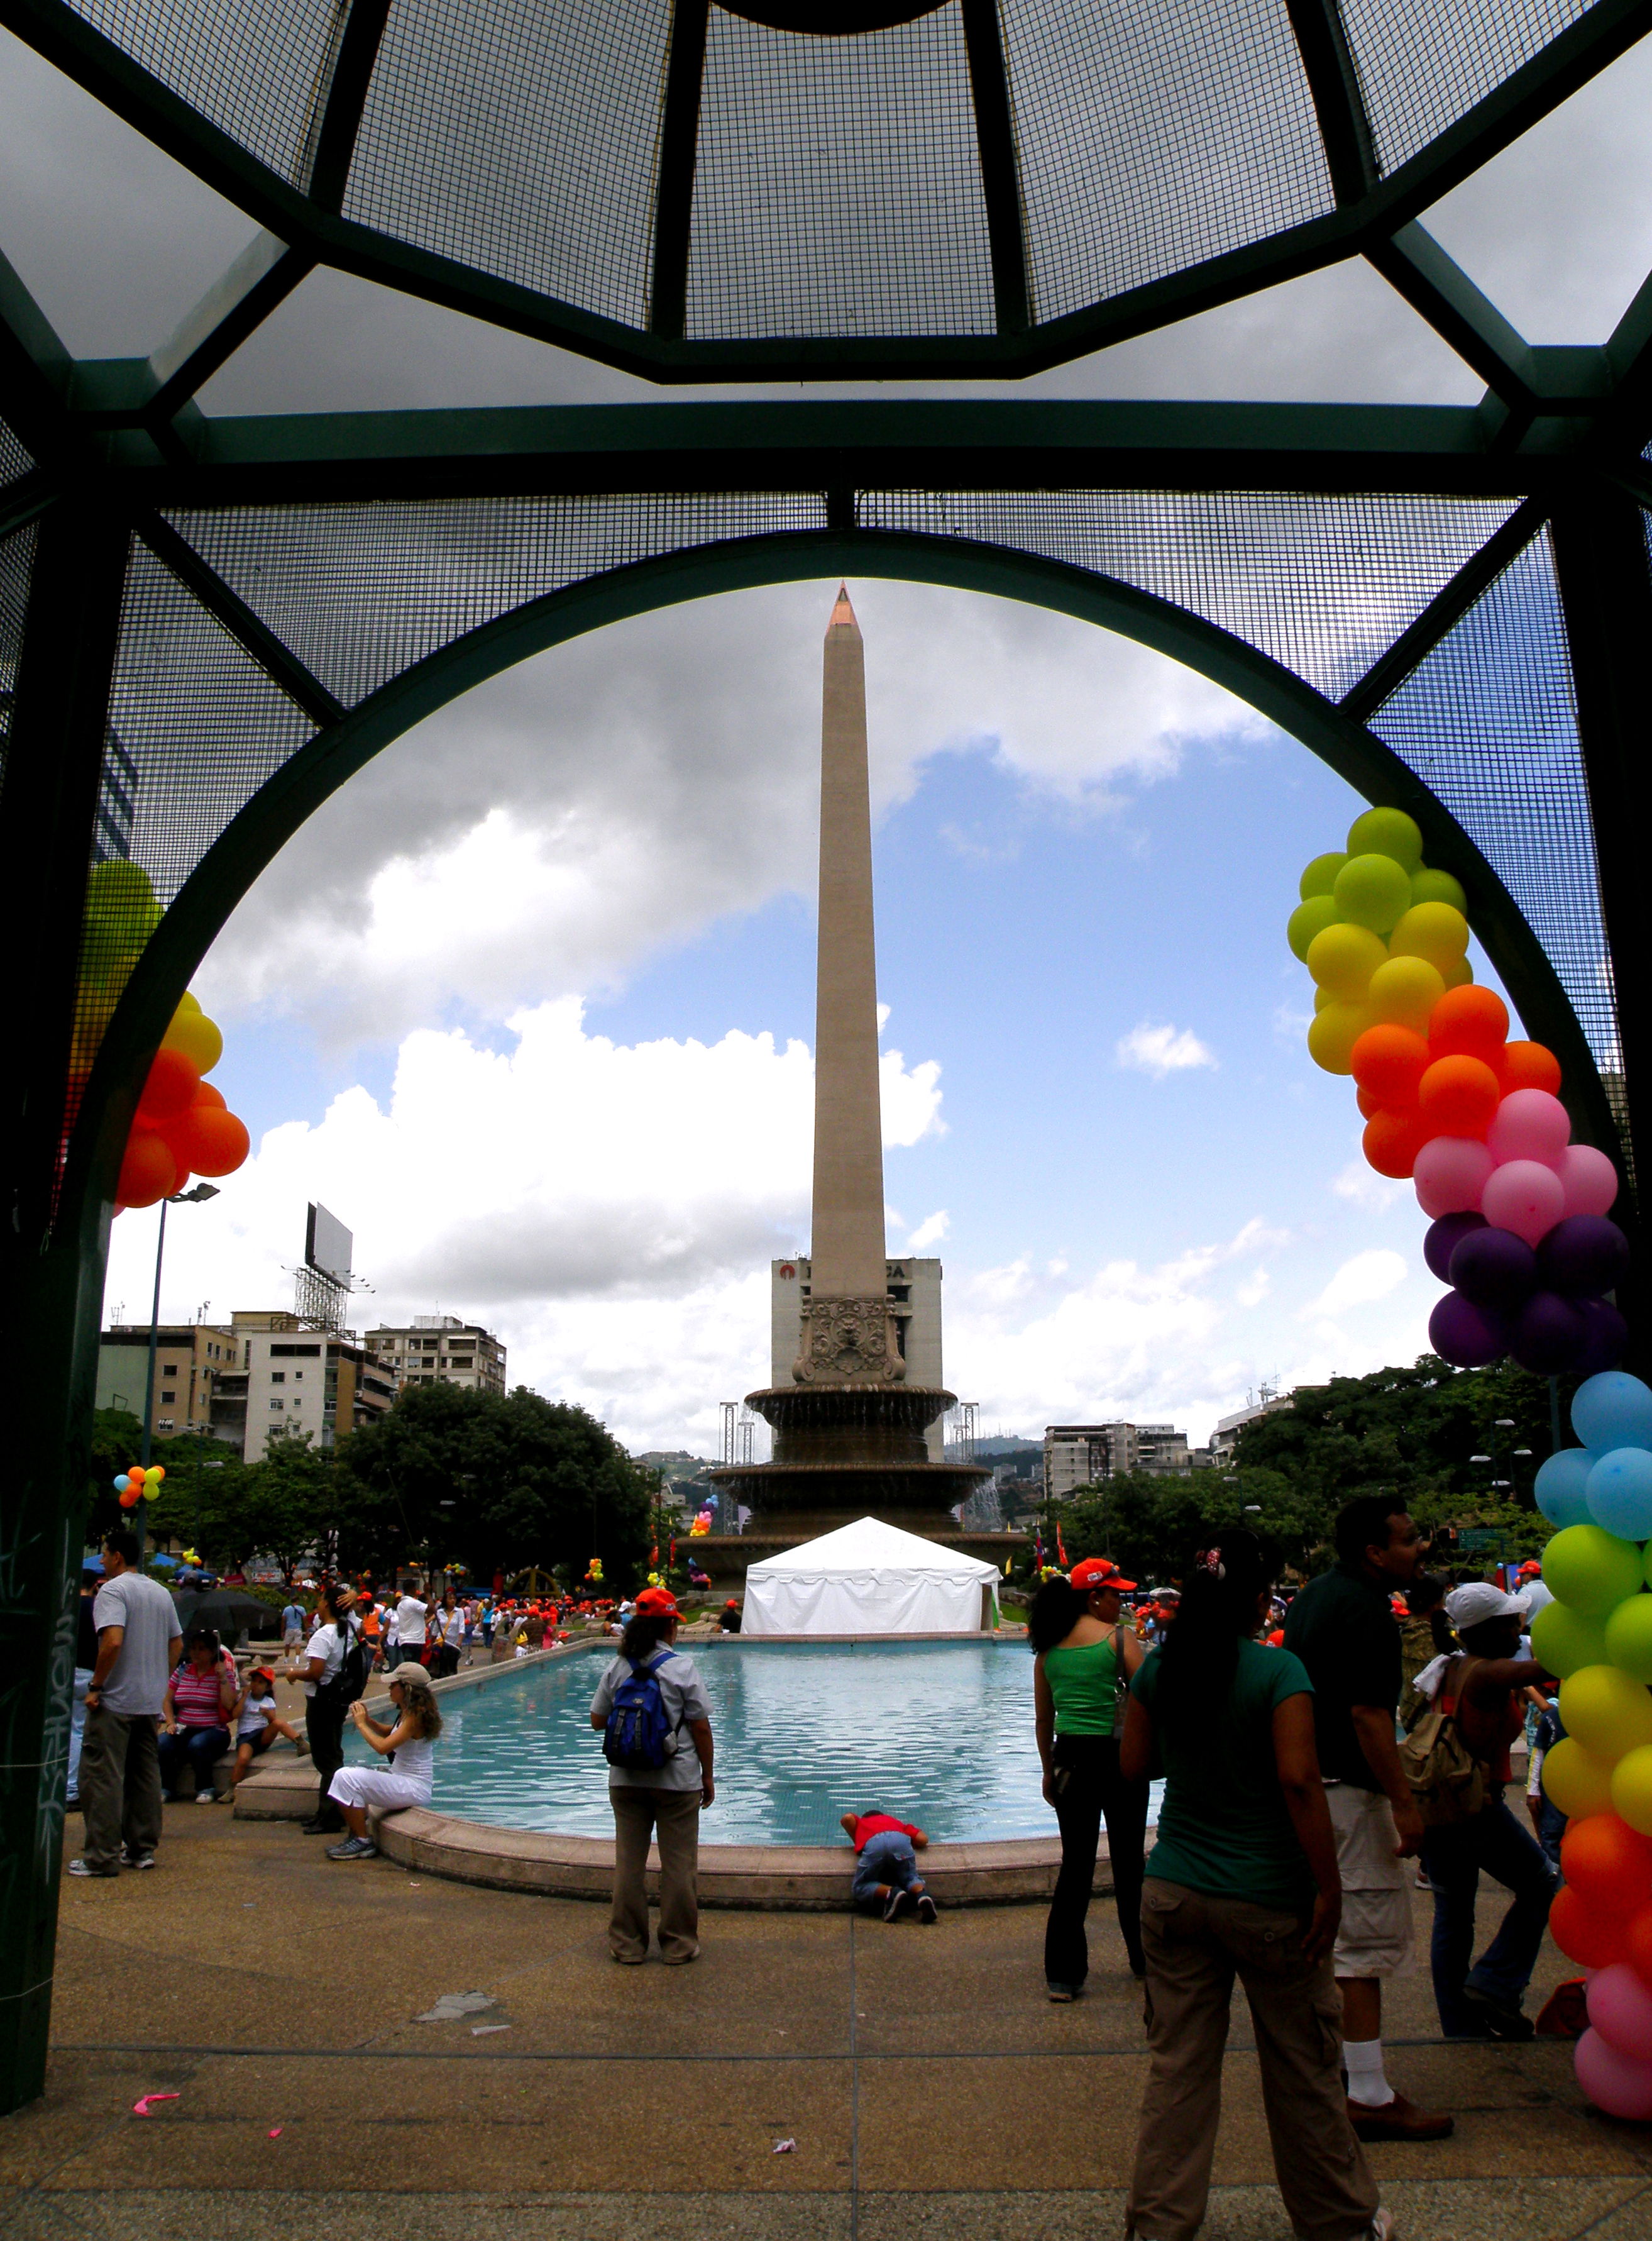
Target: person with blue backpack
(651, 1712)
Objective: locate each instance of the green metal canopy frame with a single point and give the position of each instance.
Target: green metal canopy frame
(208, 624)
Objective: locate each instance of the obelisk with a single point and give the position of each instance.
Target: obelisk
(849, 1335)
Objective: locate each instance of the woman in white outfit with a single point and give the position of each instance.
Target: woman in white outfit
(409, 1745)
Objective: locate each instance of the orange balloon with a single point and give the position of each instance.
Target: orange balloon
(1470, 1021)
(1585, 1933)
(1639, 1953)
(1390, 1061)
(211, 1143)
(129, 1500)
(1604, 1859)
(1458, 1095)
(149, 1172)
(208, 1094)
(1392, 1138)
(171, 1087)
(1529, 1065)
(1369, 1105)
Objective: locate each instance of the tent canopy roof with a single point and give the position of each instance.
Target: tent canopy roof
(870, 1546)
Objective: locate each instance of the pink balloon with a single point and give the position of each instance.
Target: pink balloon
(1529, 1125)
(1525, 1196)
(1450, 1173)
(1613, 2082)
(1588, 1178)
(1620, 2007)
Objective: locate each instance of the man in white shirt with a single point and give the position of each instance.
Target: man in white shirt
(138, 1645)
(410, 1625)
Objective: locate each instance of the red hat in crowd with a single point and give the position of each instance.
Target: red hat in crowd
(657, 1603)
(1531, 1569)
(1094, 1573)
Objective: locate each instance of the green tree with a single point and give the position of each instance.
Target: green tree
(495, 1483)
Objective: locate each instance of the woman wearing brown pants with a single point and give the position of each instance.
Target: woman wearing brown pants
(663, 1802)
(1242, 1883)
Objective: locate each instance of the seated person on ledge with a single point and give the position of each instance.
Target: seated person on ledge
(885, 1874)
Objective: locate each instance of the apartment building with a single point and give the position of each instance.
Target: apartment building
(441, 1350)
(286, 1373)
(189, 1360)
(1089, 1454)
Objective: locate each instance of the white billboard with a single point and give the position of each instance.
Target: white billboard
(328, 1245)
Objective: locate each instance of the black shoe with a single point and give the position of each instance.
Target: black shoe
(1500, 2020)
(128, 1858)
(896, 1904)
(321, 1826)
(927, 1909)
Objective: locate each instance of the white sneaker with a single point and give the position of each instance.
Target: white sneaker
(206, 1796)
(1383, 2227)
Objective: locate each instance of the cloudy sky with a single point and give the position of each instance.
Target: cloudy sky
(529, 1004)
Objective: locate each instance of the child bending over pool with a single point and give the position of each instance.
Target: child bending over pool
(409, 1745)
(886, 1873)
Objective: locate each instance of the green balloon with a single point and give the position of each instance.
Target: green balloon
(1386, 833)
(1321, 876)
(1373, 890)
(1563, 1639)
(1628, 1637)
(1430, 887)
(1307, 919)
(1591, 1569)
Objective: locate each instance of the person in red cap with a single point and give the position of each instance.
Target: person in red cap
(651, 1710)
(1085, 1661)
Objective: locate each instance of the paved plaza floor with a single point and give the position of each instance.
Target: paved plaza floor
(929, 2088)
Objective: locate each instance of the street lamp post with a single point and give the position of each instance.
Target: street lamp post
(196, 1197)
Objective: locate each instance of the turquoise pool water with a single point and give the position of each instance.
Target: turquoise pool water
(941, 1734)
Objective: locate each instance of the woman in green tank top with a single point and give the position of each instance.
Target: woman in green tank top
(1085, 1661)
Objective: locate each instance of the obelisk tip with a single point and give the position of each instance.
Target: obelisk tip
(843, 614)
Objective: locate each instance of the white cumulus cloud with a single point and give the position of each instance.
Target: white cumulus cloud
(1162, 1051)
(929, 1232)
(1368, 1276)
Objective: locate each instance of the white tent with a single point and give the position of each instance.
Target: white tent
(870, 1578)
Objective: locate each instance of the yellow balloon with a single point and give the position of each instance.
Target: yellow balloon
(1334, 1033)
(1404, 991)
(1574, 1783)
(1607, 1711)
(1343, 958)
(1565, 1640)
(1321, 998)
(1320, 877)
(1308, 918)
(194, 1034)
(1632, 1787)
(1431, 930)
(1460, 974)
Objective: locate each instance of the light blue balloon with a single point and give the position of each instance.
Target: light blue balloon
(1560, 1487)
(1619, 1494)
(1612, 1410)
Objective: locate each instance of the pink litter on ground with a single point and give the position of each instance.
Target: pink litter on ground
(784, 2147)
(275, 2132)
(142, 2107)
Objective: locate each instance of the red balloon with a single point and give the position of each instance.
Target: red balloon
(148, 1173)
(1605, 1860)
(1529, 1065)
(129, 1500)
(1390, 1061)
(1585, 1932)
(1458, 1095)
(171, 1087)
(1639, 1944)
(1392, 1138)
(210, 1142)
(1469, 1022)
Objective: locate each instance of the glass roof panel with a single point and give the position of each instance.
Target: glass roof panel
(525, 147)
(1421, 69)
(253, 71)
(837, 188)
(1152, 138)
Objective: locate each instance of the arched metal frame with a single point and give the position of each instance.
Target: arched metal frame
(113, 452)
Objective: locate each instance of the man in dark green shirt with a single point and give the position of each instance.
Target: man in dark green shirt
(1344, 1631)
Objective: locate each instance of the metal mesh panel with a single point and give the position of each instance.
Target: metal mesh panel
(1152, 138)
(252, 70)
(360, 592)
(837, 185)
(1421, 69)
(1489, 723)
(15, 458)
(524, 145)
(17, 565)
(1324, 583)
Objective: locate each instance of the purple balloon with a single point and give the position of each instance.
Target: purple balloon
(1467, 1336)
(1583, 1255)
(1606, 1337)
(1547, 1334)
(1443, 1237)
(1495, 1269)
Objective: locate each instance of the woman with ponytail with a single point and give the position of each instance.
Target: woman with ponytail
(1242, 1883)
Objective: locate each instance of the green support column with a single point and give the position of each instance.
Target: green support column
(1606, 591)
(52, 1270)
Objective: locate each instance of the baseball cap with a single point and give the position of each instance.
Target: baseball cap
(1473, 1604)
(1531, 1569)
(1094, 1573)
(657, 1603)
